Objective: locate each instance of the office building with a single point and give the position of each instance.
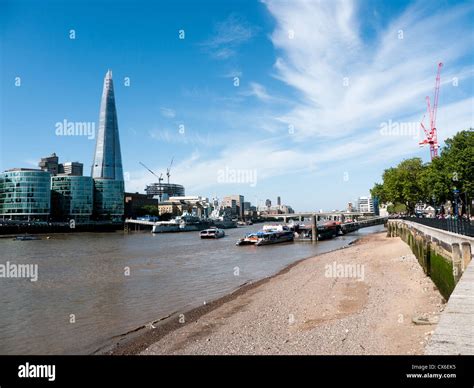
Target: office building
(163, 191)
(135, 204)
(72, 198)
(236, 203)
(71, 168)
(50, 164)
(107, 169)
(365, 205)
(25, 194)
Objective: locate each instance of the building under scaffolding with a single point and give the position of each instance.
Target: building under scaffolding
(163, 191)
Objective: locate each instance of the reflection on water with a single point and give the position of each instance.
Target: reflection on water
(82, 277)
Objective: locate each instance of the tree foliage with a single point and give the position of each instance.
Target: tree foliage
(412, 181)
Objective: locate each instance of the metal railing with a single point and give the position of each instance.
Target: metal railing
(459, 226)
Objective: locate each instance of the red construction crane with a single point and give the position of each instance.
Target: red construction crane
(431, 135)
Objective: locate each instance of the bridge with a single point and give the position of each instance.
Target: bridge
(320, 216)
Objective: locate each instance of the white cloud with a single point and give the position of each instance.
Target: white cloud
(347, 84)
(338, 126)
(187, 137)
(167, 112)
(258, 91)
(228, 35)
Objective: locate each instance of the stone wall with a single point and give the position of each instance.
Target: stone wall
(443, 255)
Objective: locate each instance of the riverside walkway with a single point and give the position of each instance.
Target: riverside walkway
(455, 331)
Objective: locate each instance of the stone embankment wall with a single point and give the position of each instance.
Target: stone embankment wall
(443, 255)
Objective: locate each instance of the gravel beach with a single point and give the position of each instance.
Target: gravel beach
(358, 300)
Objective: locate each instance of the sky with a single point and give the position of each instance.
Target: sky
(306, 100)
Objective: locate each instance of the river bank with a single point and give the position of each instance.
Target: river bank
(358, 300)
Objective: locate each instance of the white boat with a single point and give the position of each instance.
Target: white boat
(275, 228)
(212, 233)
(166, 227)
(267, 237)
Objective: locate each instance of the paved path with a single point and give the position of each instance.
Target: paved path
(455, 331)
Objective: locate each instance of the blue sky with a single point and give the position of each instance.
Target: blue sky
(317, 82)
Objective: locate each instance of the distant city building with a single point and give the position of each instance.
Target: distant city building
(163, 191)
(365, 205)
(350, 207)
(383, 209)
(135, 202)
(71, 168)
(25, 194)
(278, 201)
(268, 203)
(375, 201)
(179, 205)
(72, 198)
(50, 164)
(236, 203)
(167, 207)
(107, 169)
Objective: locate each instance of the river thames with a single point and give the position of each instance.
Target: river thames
(92, 287)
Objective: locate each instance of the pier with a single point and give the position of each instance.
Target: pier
(137, 224)
(357, 221)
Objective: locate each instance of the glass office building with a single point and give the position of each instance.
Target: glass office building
(72, 198)
(25, 194)
(107, 169)
(108, 199)
(107, 156)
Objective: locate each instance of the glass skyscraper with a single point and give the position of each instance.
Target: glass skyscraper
(107, 169)
(72, 197)
(25, 194)
(107, 158)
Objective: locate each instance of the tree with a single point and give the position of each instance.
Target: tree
(458, 156)
(397, 208)
(412, 181)
(378, 192)
(149, 209)
(403, 184)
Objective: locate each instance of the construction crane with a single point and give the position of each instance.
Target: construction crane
(169, 169)
(431, 134)
(160, 178)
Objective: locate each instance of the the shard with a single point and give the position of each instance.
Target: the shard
(107, 158)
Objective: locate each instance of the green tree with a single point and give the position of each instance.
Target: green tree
(412, 181)
(403, 184)
(149, 209)
(397, 208)
(378, 192)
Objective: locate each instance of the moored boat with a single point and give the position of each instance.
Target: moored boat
(212, 233)
(166, 227)
(189, 223)
(268, 236)
(27, 237)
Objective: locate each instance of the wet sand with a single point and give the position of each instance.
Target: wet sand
(305, 309)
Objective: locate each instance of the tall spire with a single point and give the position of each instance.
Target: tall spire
(107, 158)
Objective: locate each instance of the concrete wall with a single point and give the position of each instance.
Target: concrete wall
(443, 255)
